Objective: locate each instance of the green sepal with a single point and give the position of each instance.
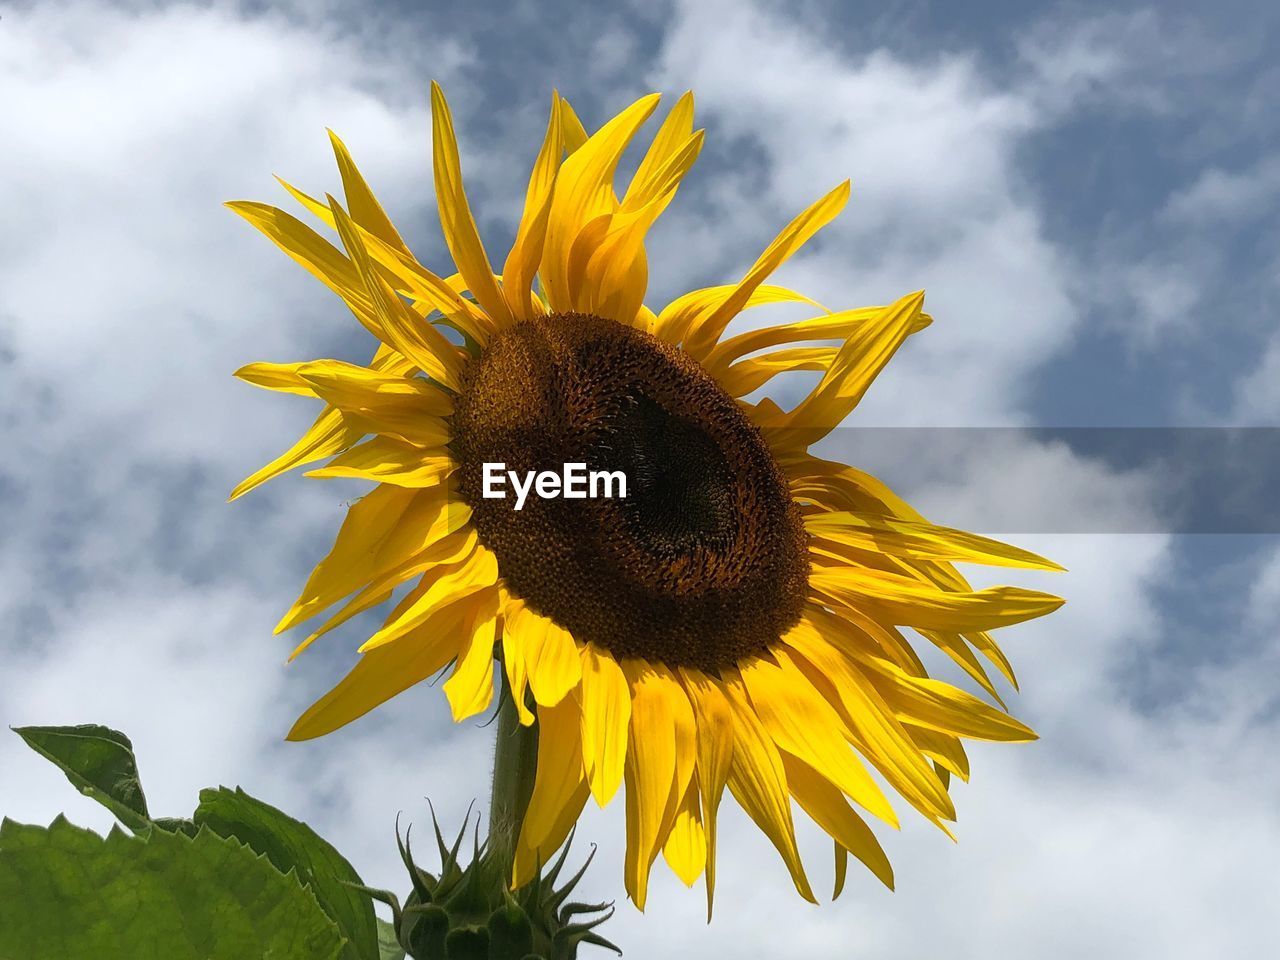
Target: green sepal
(559, 896)
(467, 943)
(510, 932)
(382, 896)
(471, 906)
(425, 928)
(422, 881)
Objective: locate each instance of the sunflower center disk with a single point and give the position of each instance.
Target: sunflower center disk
(703, 563)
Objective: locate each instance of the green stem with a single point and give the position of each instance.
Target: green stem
(515, 760)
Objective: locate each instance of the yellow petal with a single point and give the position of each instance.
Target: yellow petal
(283, 377)
(406, 424)
(364, 206)
(380, 674)
(939, 706)
(398, 326)
(409, 276)
(796, 234)
(405, 408)
(559, 790)
(907, 602)
(689, 310)
(921, 540)
(985, 644)
(460, 233)
(584, 191)
(447, 550)
(331, 433)
(368, 598)
(515, 662)
(758, 782)
(387, 460)
(803, 724)
(857, 364)
(955, 647)
(822, 801)
(841, 869)
(829, 326)
(585, 243)
(646, 320)
(327, 436)
(751, 374)
(606, 713)
(526, 251)
(550, 654)
(670, 139)
(470, 686)
(838, 486)
(855, 627)
(878, 734)
(382, 530)
(316, 255)
(714, 718)
(945, 750)
(686, 848)
(458, 548)
(617, 272)
(575, 135)
(354, 387)
(474, 575)
(659, 765)
(923, 701)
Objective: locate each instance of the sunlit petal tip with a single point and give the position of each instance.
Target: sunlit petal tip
(288, 187)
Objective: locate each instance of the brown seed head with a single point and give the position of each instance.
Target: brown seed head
(702, 564)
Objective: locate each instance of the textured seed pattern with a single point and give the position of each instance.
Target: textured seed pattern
(705, 561)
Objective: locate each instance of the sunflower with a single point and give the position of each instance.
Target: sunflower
(737, 619)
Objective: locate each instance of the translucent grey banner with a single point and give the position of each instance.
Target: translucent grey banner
(1213, 480)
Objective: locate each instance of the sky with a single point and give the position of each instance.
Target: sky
(1088, 193)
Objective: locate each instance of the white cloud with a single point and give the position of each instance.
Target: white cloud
(126, 282)
(128, 295)
(1183, 265)
(1263, 609)
(1257, 393)
(1218, 195)
(931, 145)
(1140, 60)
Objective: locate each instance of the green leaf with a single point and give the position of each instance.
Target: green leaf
(68, 894)
(292, 845)
(99, 763)
(388, 946)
